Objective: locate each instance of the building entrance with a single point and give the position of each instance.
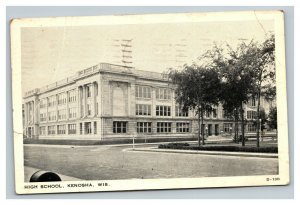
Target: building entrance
(30, 132)
(216, 130)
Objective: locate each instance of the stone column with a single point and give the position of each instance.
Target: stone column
(56, 107)
(83, 128)
(67, 112)
(78, 102)
(153, 107)
(26, 114)
(92, 127)
(93, 111)
(173, 103)
(128, 99)
(67, 129)
(78, 128)
(84, 100)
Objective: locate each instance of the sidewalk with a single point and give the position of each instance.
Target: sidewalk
(237, 154)
(108, 145)
(29, 171)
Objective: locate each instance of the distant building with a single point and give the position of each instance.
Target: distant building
(110, 101)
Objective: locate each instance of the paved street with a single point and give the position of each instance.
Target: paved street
(112, 162)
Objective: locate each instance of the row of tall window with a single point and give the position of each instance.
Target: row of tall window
(122, 127)
(60, 114)
(251, 114)
(228, 127)
(145, 92)
(213, 113)
(71, 128)
(86, 128)
(161, 110)
(60, 99)
(146, 127)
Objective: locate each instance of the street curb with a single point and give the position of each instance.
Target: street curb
(238, 154)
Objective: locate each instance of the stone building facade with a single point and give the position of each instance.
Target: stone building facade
(109, 101)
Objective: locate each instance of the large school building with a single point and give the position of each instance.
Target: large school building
(109, 101)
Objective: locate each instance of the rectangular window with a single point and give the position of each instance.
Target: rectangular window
(51, 130)
(163, 93)
(95, 127)
(119, 127)
(251, 128)
(43, 103)
(52, 116)
(72, 112)
(61, 129)
(52, 101)
(164, 127)
(43, 130)
(62, 114)
(251, 114)
(163, 110)
(143, 92)
(62, 98)
(88, 127)
(71, 129)
(182, 127)
(43, 117)
(180, 113)
(252, 102)
(214, 113)
(144, 127)
(72, 96)
(143, 109)
(207, 114)
(227, 127)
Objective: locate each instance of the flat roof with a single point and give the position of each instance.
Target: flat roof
(101, 67)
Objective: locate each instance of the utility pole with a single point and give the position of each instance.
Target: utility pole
(123, 53)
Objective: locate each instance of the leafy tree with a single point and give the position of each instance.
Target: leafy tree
(249, 71)
(263, 65)
(236, 78)
(272, 118)
(197, 88)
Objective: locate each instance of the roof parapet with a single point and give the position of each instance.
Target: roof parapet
(104, 67)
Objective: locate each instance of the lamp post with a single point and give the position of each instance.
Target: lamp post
(133, 142)
(261, 139)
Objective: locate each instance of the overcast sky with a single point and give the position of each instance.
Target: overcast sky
(52, 54)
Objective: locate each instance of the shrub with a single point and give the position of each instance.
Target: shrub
(173, 145)
(220, 148)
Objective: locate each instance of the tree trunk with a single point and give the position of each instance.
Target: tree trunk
(202, 127)
(243, 127)
(258, 107)
(199, 130)
(237, 130)
(257, 118)
(236, 133)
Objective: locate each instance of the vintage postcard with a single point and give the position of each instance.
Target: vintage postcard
(154, 101)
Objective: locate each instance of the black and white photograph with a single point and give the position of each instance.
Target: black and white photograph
(153, 101)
